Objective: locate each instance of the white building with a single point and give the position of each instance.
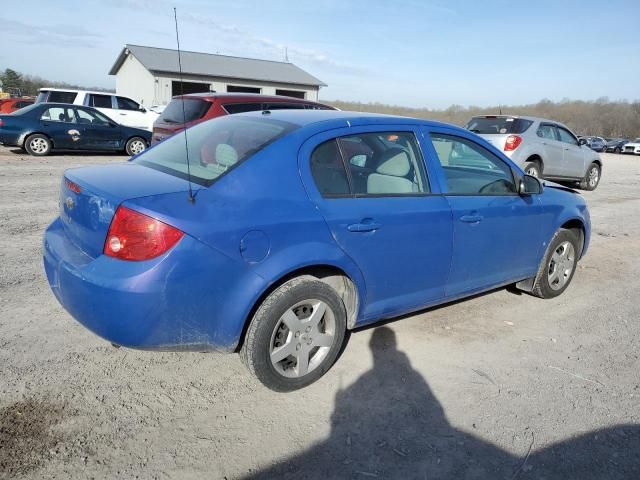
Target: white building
(151, 75)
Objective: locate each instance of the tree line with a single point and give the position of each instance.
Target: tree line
(29, 85)
(601, 117)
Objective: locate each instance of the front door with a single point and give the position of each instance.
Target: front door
(98, 131)
(496, 233)
(374, 193)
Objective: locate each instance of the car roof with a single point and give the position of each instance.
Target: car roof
(524, 117)
(75, 90)
(244, 96)
(338, 118)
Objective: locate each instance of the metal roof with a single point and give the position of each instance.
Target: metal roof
(207, 64)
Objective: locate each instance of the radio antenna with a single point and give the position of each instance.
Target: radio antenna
(192, 197)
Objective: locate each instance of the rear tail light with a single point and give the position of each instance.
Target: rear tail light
(512, 142)
(135, 236)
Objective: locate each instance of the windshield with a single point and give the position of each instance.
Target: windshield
(215, 147)
(497, 125)
(194, 108)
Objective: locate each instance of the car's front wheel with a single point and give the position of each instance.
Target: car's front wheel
(38, 145)
(558, 265)
(591, 178)
(295, 335)
(135, 146)
(617, 150)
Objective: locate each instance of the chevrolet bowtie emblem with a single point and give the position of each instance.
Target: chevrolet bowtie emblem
(69, 203)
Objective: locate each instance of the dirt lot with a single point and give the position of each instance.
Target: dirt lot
(499, 386)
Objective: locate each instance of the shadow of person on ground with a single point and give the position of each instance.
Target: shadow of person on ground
(388, 424)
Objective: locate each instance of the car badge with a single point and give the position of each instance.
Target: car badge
(69, 203)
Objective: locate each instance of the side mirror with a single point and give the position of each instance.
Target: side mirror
(582, 141)
(143, 110)
(529, 185)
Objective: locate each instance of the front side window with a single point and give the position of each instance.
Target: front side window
(470, 169)
(567, 137)
(381, 163)
(91, 118)
(215, 147)
(99, 101)
(127, 104)
(58, 114)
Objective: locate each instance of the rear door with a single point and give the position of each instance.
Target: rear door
(372, 188)
(573, 155)
(554, 149)
(496, 232)
(59, 123)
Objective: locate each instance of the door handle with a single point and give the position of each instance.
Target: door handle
(364, 227)
(471, 218)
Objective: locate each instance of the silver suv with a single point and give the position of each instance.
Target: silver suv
(542, 148)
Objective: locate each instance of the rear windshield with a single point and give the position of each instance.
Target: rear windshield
(54, 96)
(194, 108)
(497, 125)
(215, 147)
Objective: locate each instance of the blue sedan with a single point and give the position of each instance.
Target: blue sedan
(280, 231)
(44, 127)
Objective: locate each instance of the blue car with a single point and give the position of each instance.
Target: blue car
(44, 127)
(280, 231)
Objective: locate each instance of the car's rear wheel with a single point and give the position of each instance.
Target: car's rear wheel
(533, 169)
(558, 265)
(617, 150)
(592, 177)
(38, 145)
(295, 335)
(135, 145)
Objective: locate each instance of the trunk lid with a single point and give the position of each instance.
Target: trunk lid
(89, 197)
(497, 140)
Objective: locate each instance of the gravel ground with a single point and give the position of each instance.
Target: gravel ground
(500, 386)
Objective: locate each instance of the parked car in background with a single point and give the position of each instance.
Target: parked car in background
(44, 127)
(615, 145)
(632, 147)
(10, 105)
(122, 110)
(597, 144)
(199, 107)
(542, 148)
(291, 241)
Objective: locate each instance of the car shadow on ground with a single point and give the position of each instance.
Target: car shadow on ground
(71, 153)
(388, 424)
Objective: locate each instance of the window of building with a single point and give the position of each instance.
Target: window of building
(240, 89)
(290, 93)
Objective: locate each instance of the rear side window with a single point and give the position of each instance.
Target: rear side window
(498, 125)
(194, 109)
(100, 101)
(126, 104)
(59, 114)
(328, 170)
(232, 108)
(61, 97)
(547, 131)
(381, 163)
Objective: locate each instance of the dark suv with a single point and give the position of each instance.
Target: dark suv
(199, 107)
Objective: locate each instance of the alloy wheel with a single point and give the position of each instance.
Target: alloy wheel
(39, 145)
(137, 146)
(302, 338)
(594, 176)
(561, 265)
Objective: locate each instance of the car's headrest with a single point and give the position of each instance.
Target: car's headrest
(226, 155)
(395, 162)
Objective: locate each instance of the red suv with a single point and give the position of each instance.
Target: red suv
(10, 105)
(199, 107)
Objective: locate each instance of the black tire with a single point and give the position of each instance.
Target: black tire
(533, 168)
(542, 286)
(617, 150)
(266, 327)
(134, 144)
(591, 182)
(38, 145)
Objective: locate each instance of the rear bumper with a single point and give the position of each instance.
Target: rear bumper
(191, 298)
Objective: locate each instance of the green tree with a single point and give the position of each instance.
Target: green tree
(11, 79)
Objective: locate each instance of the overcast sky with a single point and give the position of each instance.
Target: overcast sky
(406, 52)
